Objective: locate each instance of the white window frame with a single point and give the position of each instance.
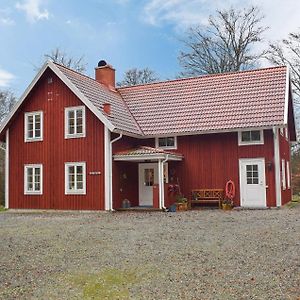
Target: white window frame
(75, 135)
(288, 174)
(75, 191)
(244, 143)
(33, 192)
(166, 147)
(283, 175)
(33, 114)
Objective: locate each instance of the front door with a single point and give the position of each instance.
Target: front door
(253, 182)
(148, 176)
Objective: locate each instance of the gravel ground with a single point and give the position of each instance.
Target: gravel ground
(209, 254)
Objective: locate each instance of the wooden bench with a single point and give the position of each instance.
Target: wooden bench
(201, 196)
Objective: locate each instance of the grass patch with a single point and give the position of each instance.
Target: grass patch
(109, 284)
(2, 208)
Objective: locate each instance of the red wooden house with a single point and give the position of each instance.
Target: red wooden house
(73, 142)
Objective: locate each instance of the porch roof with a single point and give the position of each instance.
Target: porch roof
(146, 153)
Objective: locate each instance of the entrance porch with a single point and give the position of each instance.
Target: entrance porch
(140, 177)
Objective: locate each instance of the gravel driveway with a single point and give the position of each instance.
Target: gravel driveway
(209, 254)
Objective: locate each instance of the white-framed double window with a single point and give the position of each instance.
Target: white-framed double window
(75, 122)
(283, 175)
(33, 127)
(75, 178)
(33, 179)
(169, 142)
(251, 137)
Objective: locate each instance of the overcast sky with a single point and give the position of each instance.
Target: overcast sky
(126, 33)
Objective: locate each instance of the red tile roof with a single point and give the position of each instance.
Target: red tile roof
(209, 103)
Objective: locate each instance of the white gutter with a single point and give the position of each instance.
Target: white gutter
(110, 201)
(163, 191)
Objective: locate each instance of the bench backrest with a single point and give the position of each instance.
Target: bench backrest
(207, 194)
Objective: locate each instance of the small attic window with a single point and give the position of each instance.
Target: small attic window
(50, 80)
(251, 137)
(169, 142)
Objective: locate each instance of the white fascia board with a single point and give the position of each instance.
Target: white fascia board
(69, 84)
(146, 157)
(287, 92)
(78, 93)
(23, 97)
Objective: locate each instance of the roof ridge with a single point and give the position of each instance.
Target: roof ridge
(201, 76)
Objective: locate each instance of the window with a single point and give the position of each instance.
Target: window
(75, 122)
(283, 178)
(252, 174)
(288, 174)
(33, 179)
(251, 137)
(75, 178)
(166, 142)
(33, 126)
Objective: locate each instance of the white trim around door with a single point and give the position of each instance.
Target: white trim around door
(252, 182)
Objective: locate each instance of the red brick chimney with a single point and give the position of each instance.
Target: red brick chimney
(105, 74)
(107, 108)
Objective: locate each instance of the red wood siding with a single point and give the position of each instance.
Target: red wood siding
(54, 151)
(285, 153)
(209, 162)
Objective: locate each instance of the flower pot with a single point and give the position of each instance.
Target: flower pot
(226, 206)
(181, 206)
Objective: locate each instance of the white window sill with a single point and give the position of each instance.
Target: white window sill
(251, 143)
(78, 192)
(33, 193)
(168, 148)
(74, 136)
(33, 140)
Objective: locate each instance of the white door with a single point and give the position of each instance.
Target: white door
(148, 176)
(253, 182)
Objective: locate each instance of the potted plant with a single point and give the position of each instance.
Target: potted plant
(181, 203)
(227, 204)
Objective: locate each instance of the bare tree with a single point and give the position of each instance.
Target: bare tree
(287, 52)
(61, 57)
(7, 101)
(135, 76)
(225, 44)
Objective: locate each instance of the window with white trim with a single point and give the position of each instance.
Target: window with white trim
(251, 137)
(288, 174)
(75, 122)
(33, 179)
(75, 178)
(283, 176)
(169, 142)
(33, 126)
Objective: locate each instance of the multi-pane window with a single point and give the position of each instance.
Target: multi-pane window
(33, 179)
(34, 126)
(251, 137)
(252, 174)
(75, 178)
(166, 142)
(75, 122)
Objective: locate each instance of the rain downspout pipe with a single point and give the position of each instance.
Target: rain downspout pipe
(163, 191)
(110, 170)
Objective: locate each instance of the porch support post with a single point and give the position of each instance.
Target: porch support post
(161, 184)
(7, 169)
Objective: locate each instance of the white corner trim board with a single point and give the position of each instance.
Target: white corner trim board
(7, 170)
(277, 166)
(107, 164)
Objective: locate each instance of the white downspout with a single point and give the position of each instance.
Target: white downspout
(163, 186)
(7, 170)
(277, 166)
(110, 171)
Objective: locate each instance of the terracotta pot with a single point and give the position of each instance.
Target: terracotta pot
(226, 206)
(181, 206)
